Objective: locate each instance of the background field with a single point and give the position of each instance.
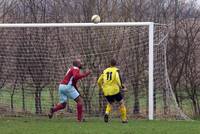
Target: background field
(95, 126)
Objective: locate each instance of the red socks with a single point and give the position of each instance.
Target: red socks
(59, 106)
(79, 111)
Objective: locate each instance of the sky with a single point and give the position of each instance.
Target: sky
(198, 1)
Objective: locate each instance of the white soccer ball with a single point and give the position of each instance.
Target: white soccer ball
(95, 19)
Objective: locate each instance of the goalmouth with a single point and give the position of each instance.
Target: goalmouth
(151, 33)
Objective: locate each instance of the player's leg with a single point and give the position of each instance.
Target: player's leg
(79, 102)
(122, 110)
(122, 107)
(75, 95)
(108, 111)
(63, 98)
(58, 107)
(108, 108)
(110, 100)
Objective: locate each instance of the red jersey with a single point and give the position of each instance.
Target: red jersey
(73, 75)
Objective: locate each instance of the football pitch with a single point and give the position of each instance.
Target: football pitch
(94, 126)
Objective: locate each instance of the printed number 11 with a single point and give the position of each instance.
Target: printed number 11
(109, 75)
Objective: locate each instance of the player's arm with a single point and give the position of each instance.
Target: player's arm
(119, 80)
(121, 85)
(77, 75)
(100, 81)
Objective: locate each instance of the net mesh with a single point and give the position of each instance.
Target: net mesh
(34, 60)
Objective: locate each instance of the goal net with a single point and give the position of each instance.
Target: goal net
(35, 57)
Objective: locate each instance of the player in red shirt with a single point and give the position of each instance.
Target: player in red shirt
(68, 89)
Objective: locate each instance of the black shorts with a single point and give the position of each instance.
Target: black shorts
(117, 97)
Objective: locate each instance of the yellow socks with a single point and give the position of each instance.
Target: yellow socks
(108, 108)
(122, 110)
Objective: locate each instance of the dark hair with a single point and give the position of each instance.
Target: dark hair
(113, 62)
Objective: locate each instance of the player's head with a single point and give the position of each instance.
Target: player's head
(77, 63)
(113, 62)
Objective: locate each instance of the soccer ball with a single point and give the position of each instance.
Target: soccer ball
(95, 19)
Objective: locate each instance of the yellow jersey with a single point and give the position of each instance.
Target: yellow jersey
(110, 81)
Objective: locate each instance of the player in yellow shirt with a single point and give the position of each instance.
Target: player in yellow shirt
(111, 84)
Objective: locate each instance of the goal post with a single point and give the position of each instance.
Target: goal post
(98, 52)
(151, 69)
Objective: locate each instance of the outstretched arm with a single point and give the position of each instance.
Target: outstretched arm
(77, 75)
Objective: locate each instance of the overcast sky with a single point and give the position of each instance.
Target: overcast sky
(198, 1)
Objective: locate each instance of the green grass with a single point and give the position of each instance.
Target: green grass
(95, 126)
